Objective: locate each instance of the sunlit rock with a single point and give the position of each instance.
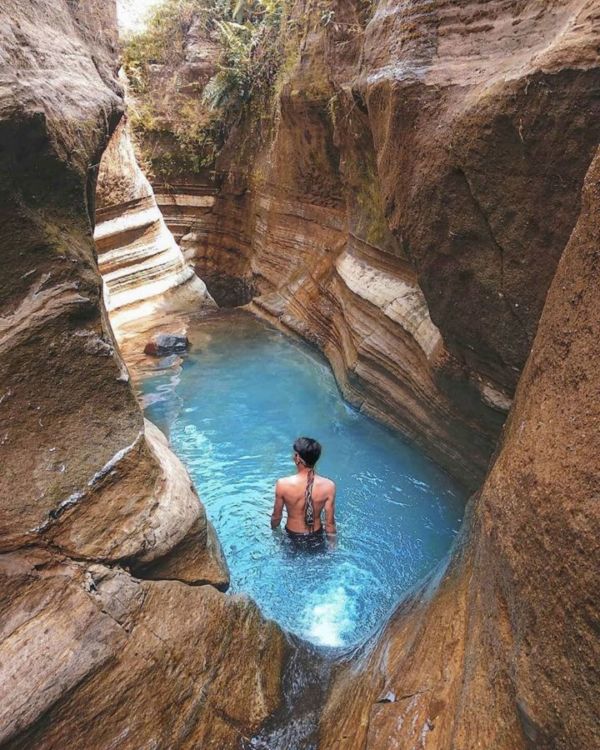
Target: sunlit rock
(144, 271)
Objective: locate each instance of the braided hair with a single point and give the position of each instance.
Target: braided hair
(309, 451)
(309, 508)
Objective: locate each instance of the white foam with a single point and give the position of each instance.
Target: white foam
(329, 618)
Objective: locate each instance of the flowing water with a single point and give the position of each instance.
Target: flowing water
(232, 411)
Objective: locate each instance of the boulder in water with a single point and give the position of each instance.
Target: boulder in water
(167, 343)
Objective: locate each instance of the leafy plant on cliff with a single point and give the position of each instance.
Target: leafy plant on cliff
(250, 59)
(195, 125)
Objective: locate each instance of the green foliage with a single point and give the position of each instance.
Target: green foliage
(251, 56)
(164, 40)
(249, 35)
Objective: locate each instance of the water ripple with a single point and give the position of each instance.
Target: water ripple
(232, 412)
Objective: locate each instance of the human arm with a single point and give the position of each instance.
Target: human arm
(278, 507)
(330, 527)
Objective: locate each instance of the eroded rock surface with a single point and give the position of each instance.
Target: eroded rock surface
(503, 652)
(90, 494)
(108, 660)
(407, 213)
(142, 266)
(410, 229)
(407, 208)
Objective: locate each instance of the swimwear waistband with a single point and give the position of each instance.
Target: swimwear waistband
(304, 534)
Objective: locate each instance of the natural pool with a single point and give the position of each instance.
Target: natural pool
(232, 411)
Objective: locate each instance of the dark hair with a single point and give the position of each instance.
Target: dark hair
(308, 449)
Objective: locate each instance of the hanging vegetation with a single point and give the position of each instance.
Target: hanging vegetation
(198, 117)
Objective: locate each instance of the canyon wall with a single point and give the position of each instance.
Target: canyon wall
(405, 206)
(500, 649)
(404, 201)
(143, 268)
(113, 628)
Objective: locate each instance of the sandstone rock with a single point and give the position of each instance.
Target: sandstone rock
(407, 215)
(500, 648)
(144, 271)
(489, 198)
(113, 661)
(67, 417)
(404, 168)
(99, 483)
(167, 343)
(91, 656)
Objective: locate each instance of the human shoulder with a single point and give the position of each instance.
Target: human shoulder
(283, 482)
(327, 483)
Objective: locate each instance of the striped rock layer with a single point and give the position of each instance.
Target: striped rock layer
(114, 631)
(142, 266)
(425, 197)
(406, 205)
(337, 279)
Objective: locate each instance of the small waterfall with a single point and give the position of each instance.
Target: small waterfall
(305, 683)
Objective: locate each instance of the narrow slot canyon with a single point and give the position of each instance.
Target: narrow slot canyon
(371, 220)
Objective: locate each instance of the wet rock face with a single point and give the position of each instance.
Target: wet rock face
(90, 494)
(167, 343)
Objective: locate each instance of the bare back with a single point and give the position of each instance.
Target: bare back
(290, 492)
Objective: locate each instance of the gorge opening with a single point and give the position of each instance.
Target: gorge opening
(411, 188)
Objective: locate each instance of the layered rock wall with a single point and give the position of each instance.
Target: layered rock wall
(143, 267)
(96, 658)
(484, 121)
(95, 651)
(62, 377)
(499, 648)
(407, 202)
(407, 213)
(410, 229)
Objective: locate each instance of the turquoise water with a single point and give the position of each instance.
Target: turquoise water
(232, 412)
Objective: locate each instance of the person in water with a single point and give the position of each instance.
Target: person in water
(305, 495)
